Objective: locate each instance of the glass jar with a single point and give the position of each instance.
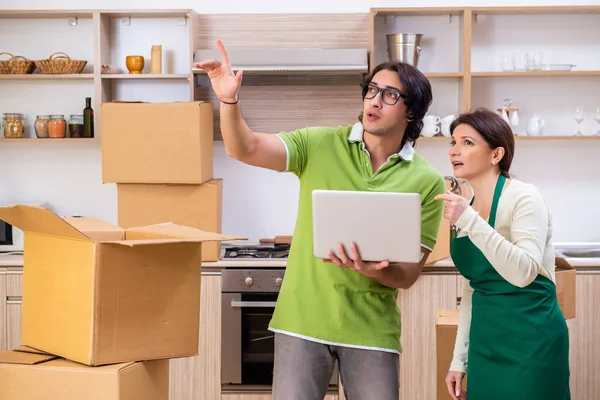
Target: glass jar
(57, 126)
(13, 125)
(76, 126)
(41, 126)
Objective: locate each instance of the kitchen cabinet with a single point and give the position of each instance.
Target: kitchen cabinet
(199, 377)
(585, 337)
(100, 37)
(260, 396)
(14, 293)
(3, 330)
(468, 53)
(418, 306)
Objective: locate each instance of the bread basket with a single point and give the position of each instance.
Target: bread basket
(4, 64)
(21, 65)
(60, 63)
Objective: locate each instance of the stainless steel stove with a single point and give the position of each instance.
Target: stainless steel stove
(255, 252)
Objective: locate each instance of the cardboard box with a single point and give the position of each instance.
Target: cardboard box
(98, 294)
(198, 206)
(446, 325)
(566, 287)
(157, 142)
(29, 375)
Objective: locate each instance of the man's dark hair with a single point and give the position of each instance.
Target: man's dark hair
(417, 89)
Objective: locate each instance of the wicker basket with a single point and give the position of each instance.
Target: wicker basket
(61, 64)
(4, 64)
(21, 65)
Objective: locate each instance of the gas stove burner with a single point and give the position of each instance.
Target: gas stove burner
(256, 252)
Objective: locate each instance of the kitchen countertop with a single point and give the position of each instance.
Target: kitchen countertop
(16, 260)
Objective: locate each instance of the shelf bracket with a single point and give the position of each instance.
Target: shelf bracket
(475, 18)
(72, 21)
(125, 21)
(450, 18)
(182, 21)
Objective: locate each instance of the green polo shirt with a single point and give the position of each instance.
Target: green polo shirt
(326, 303)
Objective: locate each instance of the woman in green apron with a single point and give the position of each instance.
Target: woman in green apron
(512, 336)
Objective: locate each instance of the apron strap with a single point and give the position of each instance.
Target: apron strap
(497, 193)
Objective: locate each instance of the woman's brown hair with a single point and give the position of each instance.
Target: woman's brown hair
(494, 130)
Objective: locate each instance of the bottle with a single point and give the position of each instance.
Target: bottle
(156, 59)
(88, 119)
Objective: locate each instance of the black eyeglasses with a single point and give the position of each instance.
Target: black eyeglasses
(388, 96)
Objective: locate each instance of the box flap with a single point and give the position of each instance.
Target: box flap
(96, 229)
(39, 220)
(561, 263)
(170, 230)
(447, 317)
(24, 358)
(27, 349)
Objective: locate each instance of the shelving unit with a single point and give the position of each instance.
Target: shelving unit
(473, 42)
(100, 37)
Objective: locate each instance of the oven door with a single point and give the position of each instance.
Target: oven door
(248, 346)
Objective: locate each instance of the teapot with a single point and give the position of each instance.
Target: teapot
(535, 125)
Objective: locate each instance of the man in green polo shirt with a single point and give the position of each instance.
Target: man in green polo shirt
(343, 309)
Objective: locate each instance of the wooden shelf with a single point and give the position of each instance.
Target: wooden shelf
(58, 140)
(46, 13)
(169, 13)
(41, 77)
(337, 72)
(145, 76)
(517, 137)
(499, 74)
(175, 13)
(536, 10)
(425, 11)
(444, 74)
(549, 137)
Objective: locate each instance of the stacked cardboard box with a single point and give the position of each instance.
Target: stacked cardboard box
(160, 155)
(106, 307)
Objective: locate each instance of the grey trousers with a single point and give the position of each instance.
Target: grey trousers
(303, 370)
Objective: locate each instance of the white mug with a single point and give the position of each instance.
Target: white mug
(430, 130)
(448, 119)
(446, 129)
(431, 120)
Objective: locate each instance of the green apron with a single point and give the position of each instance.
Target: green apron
(518, 341)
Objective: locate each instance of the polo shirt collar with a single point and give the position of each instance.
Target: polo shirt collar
(356, 135)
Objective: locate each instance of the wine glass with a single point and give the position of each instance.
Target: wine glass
(597, 118)
(579, 117)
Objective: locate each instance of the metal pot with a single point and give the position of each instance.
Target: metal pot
(404, 47)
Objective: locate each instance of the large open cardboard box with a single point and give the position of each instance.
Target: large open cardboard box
(157, 142)
(98, 294)
(26, 374)
(198, 206)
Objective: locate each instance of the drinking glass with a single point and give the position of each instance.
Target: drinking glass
(579, 117)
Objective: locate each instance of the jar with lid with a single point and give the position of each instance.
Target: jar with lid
(41, 126)
(57, 126)
(76, 126)
(13, 125)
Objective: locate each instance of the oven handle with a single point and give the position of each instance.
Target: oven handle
(243, 304)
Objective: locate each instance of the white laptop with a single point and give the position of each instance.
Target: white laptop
(384, 226)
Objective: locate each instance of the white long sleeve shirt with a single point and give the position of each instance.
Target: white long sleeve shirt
(519, 247)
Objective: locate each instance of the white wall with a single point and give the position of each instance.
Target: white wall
(260, 203)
